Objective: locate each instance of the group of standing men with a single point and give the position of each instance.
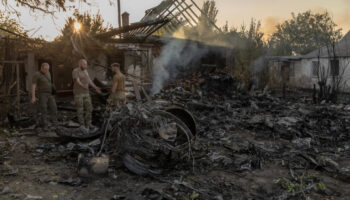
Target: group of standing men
(42, 87)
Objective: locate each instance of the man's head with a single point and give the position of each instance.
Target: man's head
(115, 67)
(45, 67)
(82, 64)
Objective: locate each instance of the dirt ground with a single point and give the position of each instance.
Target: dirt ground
(30, 173)
(247, 146)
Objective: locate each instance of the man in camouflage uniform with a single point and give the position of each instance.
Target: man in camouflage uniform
(42, 84)
(82, 97)
(117, 97)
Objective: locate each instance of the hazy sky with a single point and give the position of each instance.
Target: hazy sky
(235, 12)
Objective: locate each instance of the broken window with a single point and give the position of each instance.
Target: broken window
(335, 67)
(315, 68)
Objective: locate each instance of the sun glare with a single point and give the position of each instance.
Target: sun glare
(77, 26)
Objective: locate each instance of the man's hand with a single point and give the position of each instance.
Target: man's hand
(33, 100)
(98, 90)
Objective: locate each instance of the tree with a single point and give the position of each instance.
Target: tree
(249, 47)
(71, 45)
(46, 6)
(304, 33)
(10, 29)
(13, 40)
(209, 16)
(9, 24)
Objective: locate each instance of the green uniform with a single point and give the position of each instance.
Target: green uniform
(44, 93)
(82, 97)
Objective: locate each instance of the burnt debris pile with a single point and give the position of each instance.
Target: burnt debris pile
(147, 136)
(202, 138)
(287, 149)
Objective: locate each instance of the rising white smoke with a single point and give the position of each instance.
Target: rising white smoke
(177, 54)
(257, 67)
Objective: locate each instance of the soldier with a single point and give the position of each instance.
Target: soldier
(118, 89)
(42, 83)
(82, 97)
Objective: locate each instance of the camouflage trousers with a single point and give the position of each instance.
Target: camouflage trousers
(117, 99)
(84, 109)
(47, 100)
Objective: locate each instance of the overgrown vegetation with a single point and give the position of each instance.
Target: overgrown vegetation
(299, 186)
(250, 46)
(193, 196)
(304, 33)
(8, 27)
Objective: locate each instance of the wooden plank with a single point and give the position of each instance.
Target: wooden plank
(209, 20)
(183, 13)
(145, 93)
(161, 25)
(186, 11)
(136, 90)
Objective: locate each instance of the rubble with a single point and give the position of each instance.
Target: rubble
(201, 137)
(158, 135)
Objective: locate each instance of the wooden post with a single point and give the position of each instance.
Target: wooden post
(18, 88)
(145, 93)
(136, 90)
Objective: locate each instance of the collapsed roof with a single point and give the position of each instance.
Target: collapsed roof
(170, 14)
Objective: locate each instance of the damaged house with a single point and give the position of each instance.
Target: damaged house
(330, 64)
(151, 56)
(148, 53)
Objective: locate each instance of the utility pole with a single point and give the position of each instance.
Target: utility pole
(119, 17)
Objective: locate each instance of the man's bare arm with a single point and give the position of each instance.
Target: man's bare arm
(92, 84)
(98, 90)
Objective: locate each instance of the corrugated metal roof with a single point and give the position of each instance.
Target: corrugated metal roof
(341, 49)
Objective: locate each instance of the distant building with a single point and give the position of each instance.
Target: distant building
(304, 71)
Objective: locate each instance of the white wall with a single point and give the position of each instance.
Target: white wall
(344, 64)
(305, 79)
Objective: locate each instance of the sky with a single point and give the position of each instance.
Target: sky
(233, 12)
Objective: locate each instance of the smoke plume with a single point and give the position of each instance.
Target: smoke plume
(176, 56)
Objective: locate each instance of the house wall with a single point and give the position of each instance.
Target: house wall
(274, 74)
(301, 75)
(136, 64)
(296, 77)
(344, 72)
(344, 66)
